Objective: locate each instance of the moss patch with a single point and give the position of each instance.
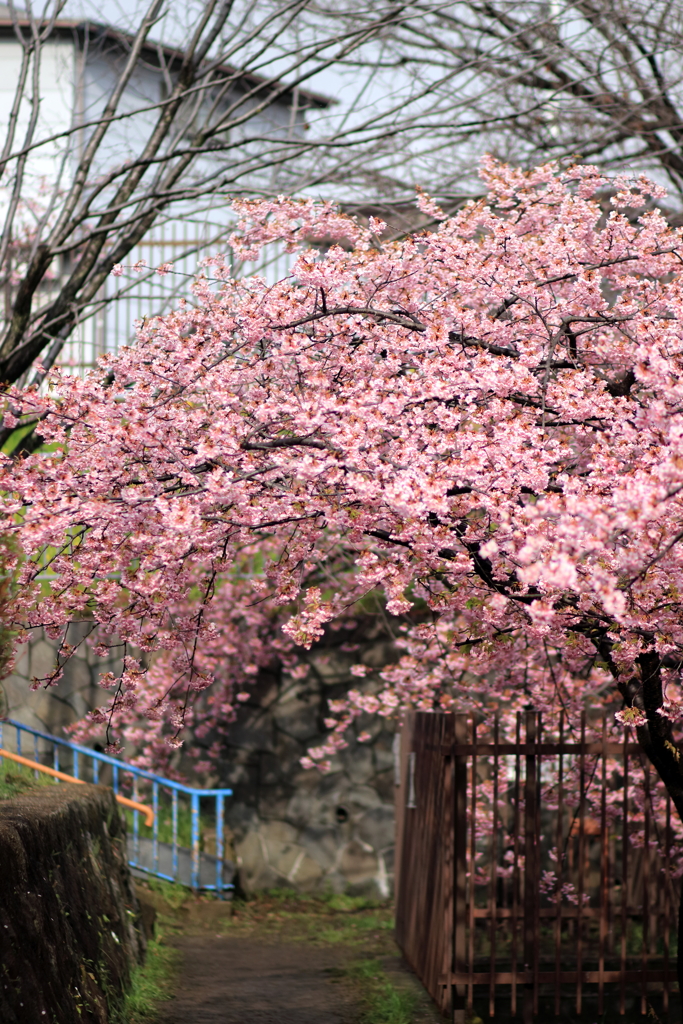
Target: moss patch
(16, 779)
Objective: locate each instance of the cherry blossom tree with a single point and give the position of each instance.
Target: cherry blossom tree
(479, 424)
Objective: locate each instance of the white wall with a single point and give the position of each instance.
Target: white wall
(57, 97)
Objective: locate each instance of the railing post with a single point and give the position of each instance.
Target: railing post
(155, 827)
(136, 823)
(174, 825)
(194, 878)
(219, 845)
(460, 868)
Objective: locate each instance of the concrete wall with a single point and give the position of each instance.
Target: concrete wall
(57, 706)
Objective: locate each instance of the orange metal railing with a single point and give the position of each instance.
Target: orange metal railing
(145, 808)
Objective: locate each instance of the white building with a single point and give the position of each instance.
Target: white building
(78, 65)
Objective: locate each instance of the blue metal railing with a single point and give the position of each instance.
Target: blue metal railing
(159, 785)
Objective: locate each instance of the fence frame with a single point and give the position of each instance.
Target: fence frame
(436, 781)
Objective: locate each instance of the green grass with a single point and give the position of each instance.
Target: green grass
(173, 893)
(329, 919)
(150, 984)
(349, 904)
(382, 1002)
(165, 825)
(17, 779)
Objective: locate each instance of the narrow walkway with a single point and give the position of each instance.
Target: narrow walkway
(234, 980)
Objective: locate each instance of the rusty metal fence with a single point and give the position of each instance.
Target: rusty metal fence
(532, 869)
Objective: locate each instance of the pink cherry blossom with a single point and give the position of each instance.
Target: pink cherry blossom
(480, 428)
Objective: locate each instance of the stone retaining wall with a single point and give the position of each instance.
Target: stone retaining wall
(300, 829)
(286, 827)
(69, 920)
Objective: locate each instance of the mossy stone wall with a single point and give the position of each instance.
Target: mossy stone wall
(69, 921)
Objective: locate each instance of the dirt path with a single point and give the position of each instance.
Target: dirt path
(282, 958)
(241, 980)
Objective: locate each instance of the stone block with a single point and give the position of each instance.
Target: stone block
(42, 659)
(250, 852)
(306, 873)
(278, 832)
(283, 858)
(379, 654)
(240, 818)
(297, 720)
(362, 797)
(77, 677)
(306, 807)
(385, 786)
(252, 732)
(358, 864)
(15, 691)
(252, 863)
(323, 845)
(376, 827)
(272, 805)
(360, 764)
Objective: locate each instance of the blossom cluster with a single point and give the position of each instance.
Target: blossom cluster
(482, 423)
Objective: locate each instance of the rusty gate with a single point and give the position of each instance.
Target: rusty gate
(532, 867)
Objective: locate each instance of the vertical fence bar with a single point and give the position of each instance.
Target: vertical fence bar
(604, 870)
(582, 856)
(55, 758)
(624, 882)
(493, 873)
(515, 866)
(36, 756)
(194, 881)
(76, 765)
(115, 778)
(219, 845)
(559, 853)
(174, 827)
(646, 889)
(95, 770)
(473, 855)
(460, 867)
(17, 731)
(136, 823)
(537, 858)
(530, 872)
(155, 827)
(667, 903)
(447, 887)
